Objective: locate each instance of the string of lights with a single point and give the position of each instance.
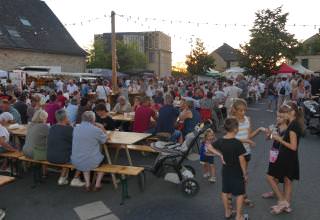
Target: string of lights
(139, 19)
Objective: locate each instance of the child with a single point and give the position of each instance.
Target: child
(234, 174)
(207, 158)
(245, 133)
(282, 125)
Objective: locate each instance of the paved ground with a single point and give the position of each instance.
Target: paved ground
(163, 200)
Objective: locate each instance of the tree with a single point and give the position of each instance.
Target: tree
(98, 58)
(128, 57)
(198, 61)
(270, 43)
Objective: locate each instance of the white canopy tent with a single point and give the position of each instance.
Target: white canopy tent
(233, 71)
(301, 69)
(3, 74)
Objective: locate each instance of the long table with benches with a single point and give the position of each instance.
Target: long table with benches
(121, 170)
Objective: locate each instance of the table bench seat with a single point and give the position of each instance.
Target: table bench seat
(143, 148)
(118, 169)
(5, 180)
(44, 162)
(11, 155)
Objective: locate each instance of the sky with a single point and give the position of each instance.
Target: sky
(214, 22)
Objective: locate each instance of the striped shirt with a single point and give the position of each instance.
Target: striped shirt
(243, 133)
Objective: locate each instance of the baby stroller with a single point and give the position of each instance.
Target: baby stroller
(169, 163)
(312, 111)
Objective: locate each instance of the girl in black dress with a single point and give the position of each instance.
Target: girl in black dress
(281, 127)
(286, 166)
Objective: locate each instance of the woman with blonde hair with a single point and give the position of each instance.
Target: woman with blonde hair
(35, 146)
(245, 133)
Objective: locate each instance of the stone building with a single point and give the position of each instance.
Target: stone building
(310, 57)
(155, 45)
(225, 57)
(31, 35)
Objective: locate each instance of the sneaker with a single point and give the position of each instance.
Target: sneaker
(63, 181)
(76, 182)
(206, 175)
(212, 179)
(2, 214)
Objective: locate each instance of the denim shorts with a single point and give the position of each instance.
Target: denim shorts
(207, 159)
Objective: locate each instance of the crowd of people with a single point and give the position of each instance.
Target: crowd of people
(66, 124)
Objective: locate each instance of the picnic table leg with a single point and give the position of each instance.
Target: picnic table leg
(124, 189)
(128, 155)
(114, 180)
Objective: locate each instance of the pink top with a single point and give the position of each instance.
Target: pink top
(51, 109)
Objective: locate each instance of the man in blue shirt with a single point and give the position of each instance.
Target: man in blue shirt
(167, 119)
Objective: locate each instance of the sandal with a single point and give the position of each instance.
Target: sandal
(281, 207)
(268, 195)
(248, 203)
(232, 215)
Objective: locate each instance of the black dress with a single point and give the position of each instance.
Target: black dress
(287, 163)
(272, 169)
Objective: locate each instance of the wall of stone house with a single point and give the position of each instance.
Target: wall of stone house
(12, 59)
(313, 61)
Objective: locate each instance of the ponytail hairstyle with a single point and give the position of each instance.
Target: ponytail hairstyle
(236, 104)
(292, 106)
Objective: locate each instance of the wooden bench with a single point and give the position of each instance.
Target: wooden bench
(44, 162)
(124, 171)
(143, 148)
(12, 157)
(5, 180)
(135, 147)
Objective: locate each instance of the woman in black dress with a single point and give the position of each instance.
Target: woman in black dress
(286, 166)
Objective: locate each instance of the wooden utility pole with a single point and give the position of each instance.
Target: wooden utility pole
(114, 53)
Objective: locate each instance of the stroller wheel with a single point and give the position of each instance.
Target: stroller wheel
(190, 187)
(191, 169)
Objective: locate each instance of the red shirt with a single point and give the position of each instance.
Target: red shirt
(142, 119)
(61, 100)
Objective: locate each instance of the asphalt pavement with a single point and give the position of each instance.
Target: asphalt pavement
(164, 200)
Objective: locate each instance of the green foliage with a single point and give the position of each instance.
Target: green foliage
(128, 55)
(198, 61)
(270, 43)
(98, 58)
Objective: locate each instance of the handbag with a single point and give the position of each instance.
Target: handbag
(273, 155)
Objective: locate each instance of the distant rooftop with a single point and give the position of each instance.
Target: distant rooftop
(227, 52)
(31, 25)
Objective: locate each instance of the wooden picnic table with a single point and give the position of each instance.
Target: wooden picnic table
(122, 139)
(21, 131)
(123, 117)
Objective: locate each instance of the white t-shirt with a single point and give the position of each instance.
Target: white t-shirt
(59, 86)
(102, 92)
(72, 88)
(232, 92)
(4, 133)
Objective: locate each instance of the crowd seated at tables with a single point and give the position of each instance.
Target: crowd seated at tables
(68, 126)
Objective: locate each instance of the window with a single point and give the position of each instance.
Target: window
(152, 57)
(25, 22)
(305, 63)
(13, 32)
